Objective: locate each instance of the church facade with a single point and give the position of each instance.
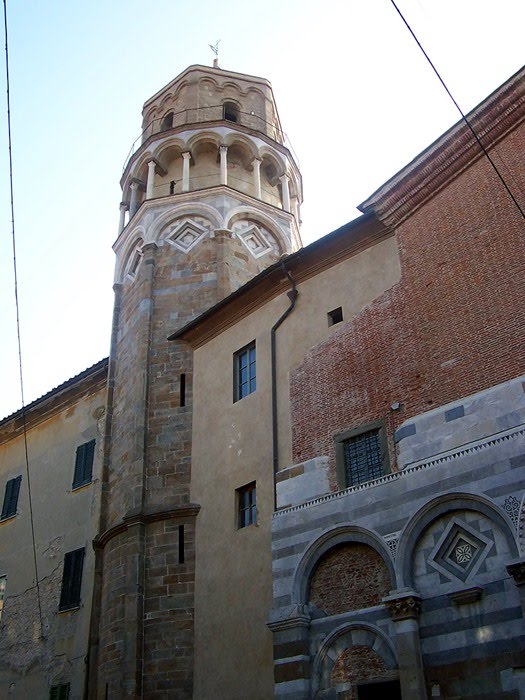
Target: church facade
(300, 472)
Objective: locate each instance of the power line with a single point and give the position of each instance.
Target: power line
(18, 322)
(485, 152)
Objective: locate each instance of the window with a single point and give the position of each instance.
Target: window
(12, 489)
(244, 372)
(72, 579)
(361, 455)
(84, 464)
(335, 316)
(3, 584)
(231, 112)
(59, 692)
(247, 505)
(167, 122)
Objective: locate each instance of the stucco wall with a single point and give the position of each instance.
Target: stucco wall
(64, 520)
(232, 447)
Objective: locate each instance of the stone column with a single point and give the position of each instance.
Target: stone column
(291, 630)
(295, 209)
(134, 201)
(151, 179)
(516, 569)
(223, 150)
(286, 191)
(404, 607)
(257, 177)
(186, 171)
(122, 220)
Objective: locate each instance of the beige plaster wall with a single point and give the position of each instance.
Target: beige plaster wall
(232, 446)
(64, 520)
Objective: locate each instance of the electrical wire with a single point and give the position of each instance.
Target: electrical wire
(24, 423)
(469, 125)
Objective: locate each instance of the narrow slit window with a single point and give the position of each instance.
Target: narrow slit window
(335, 316)
(181, 544)
(182, 390)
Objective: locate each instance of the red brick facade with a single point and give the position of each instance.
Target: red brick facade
(355, 665)
(434, 337)
(349, 577)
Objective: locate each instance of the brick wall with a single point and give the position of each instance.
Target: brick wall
(349, 577)
(453, 325)
(355, 665)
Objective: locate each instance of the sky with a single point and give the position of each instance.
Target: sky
(355, 96)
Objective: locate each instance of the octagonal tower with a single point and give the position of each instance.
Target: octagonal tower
(211, 197)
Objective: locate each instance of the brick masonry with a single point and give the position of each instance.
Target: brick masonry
(452, 326)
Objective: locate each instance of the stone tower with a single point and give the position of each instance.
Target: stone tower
(210, 198)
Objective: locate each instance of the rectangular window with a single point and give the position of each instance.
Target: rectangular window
(3, 584)
(12, 489)
(59, 692)
(72, 579)
(362, 455)
(244, 372)
(247, 505)
(84, 464)
(335, 316)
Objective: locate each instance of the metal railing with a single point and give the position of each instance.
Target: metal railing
(215, 113)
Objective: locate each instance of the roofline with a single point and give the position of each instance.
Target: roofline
(55, 398)
(450, 153)
(208, 69)
(323, 253)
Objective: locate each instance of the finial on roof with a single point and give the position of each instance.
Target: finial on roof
(215, 49)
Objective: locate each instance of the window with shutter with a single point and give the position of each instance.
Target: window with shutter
(72, 579)
(244, 372)
(84, 464)
(12, 489)
(59, 692)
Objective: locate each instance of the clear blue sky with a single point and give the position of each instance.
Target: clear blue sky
(355, 96)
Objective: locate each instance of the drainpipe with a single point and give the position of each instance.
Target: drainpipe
(292, 296)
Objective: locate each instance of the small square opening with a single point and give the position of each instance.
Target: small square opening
(335, 316)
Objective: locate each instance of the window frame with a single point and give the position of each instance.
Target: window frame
(56, 691)
(342, 438)
(237, 369)
(71, 589)
(84, 461)
(11, 496)
(250, 490)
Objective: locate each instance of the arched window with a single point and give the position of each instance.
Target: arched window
(167, 122)
(231, 112)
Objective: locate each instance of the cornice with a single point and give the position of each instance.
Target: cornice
(140, 517)
(88, 382)
(450, 154)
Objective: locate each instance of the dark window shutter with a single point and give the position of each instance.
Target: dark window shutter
(53, 693)
(72, 579)
(59, 692)
(84, 464)
(12, 489)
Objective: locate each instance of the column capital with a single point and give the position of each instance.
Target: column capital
(223, 148)
(257, 160)
(134, 185)
(124, 206)
(288, 617)
(186, 154)
(284, 178)
(516, 569)
(403, 604)
(152, 163)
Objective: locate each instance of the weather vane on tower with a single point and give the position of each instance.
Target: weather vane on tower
(215, 49)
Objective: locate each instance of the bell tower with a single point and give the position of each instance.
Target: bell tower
(211, 197)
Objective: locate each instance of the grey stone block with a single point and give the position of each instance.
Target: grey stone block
(454, 413)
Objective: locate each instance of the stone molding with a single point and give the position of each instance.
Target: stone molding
(289, 617)
(516, 569)
(471, 448)
(403, 605)
(466, 596)
(140, 517)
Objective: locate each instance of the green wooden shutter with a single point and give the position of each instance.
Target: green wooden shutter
(12, 490)
(72, 579)
(84, 464)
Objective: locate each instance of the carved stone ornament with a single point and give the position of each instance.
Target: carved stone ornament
(517, 570)
(403, 606)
